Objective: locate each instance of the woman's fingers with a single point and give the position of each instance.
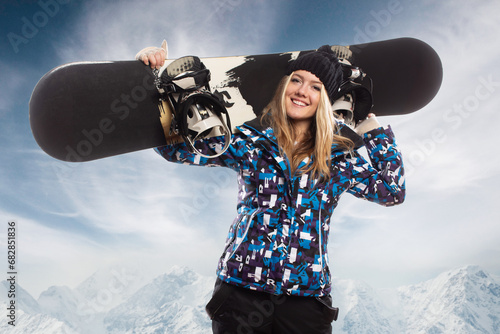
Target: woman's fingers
(154, 57)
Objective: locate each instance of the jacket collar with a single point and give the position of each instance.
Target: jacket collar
(263, 125)
(346, 131)
(259, 123)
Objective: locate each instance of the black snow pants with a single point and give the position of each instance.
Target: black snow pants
(236, 310)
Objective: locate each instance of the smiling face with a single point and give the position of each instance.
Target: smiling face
(302, 96)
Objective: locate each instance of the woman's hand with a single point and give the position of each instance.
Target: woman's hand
(153, 56)
(368, 124)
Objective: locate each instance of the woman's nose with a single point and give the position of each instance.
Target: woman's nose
(301, 90)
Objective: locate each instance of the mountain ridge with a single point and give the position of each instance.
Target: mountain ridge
(121, 300)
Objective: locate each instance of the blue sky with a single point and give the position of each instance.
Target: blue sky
(139, 210)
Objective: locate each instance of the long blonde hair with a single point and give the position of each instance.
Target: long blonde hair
(318, 140)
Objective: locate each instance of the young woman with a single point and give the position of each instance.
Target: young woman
(293, 164)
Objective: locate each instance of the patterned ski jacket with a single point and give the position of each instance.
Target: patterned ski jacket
(278, 241)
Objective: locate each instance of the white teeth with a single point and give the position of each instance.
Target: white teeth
(299, 103)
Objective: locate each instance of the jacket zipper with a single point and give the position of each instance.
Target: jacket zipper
(284, 157)
(320, 245)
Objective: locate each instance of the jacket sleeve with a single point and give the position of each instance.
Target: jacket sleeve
(180, 153)
(382, 181)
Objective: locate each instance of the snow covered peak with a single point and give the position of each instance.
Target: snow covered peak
(24, 300)
(120, 300)
(466, 300)
(172, 303)
(118, 282)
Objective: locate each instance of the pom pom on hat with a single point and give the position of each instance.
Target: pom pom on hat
(324, 64)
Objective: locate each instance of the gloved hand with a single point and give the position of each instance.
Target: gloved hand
(368, 124)
(153, 56)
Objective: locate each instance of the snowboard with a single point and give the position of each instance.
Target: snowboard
(84, 111)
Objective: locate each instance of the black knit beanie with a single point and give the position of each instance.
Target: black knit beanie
(322, 63)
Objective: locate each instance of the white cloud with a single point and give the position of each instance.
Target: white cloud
(450, 216)
(117, 30)
(123, 194)
(124, 209)
(170, 213)
(46, 256)
(12, 82)
(133, 204)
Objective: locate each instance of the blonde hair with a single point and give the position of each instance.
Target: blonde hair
(318, 141)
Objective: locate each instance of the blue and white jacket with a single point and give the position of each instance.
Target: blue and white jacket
(278, 241)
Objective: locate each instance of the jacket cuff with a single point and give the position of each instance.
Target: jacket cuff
(385, 132)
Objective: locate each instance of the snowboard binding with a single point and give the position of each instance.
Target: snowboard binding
(198, 113)
(353, 101)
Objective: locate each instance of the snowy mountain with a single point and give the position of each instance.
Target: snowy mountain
(116, 300)
(363, 310)
(466, 300)
(84, 308)
(172, 303)
(30, 319)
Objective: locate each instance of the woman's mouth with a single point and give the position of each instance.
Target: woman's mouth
(299, 103)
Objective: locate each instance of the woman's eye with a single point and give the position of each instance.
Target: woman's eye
(295, 80)
(317, 88)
